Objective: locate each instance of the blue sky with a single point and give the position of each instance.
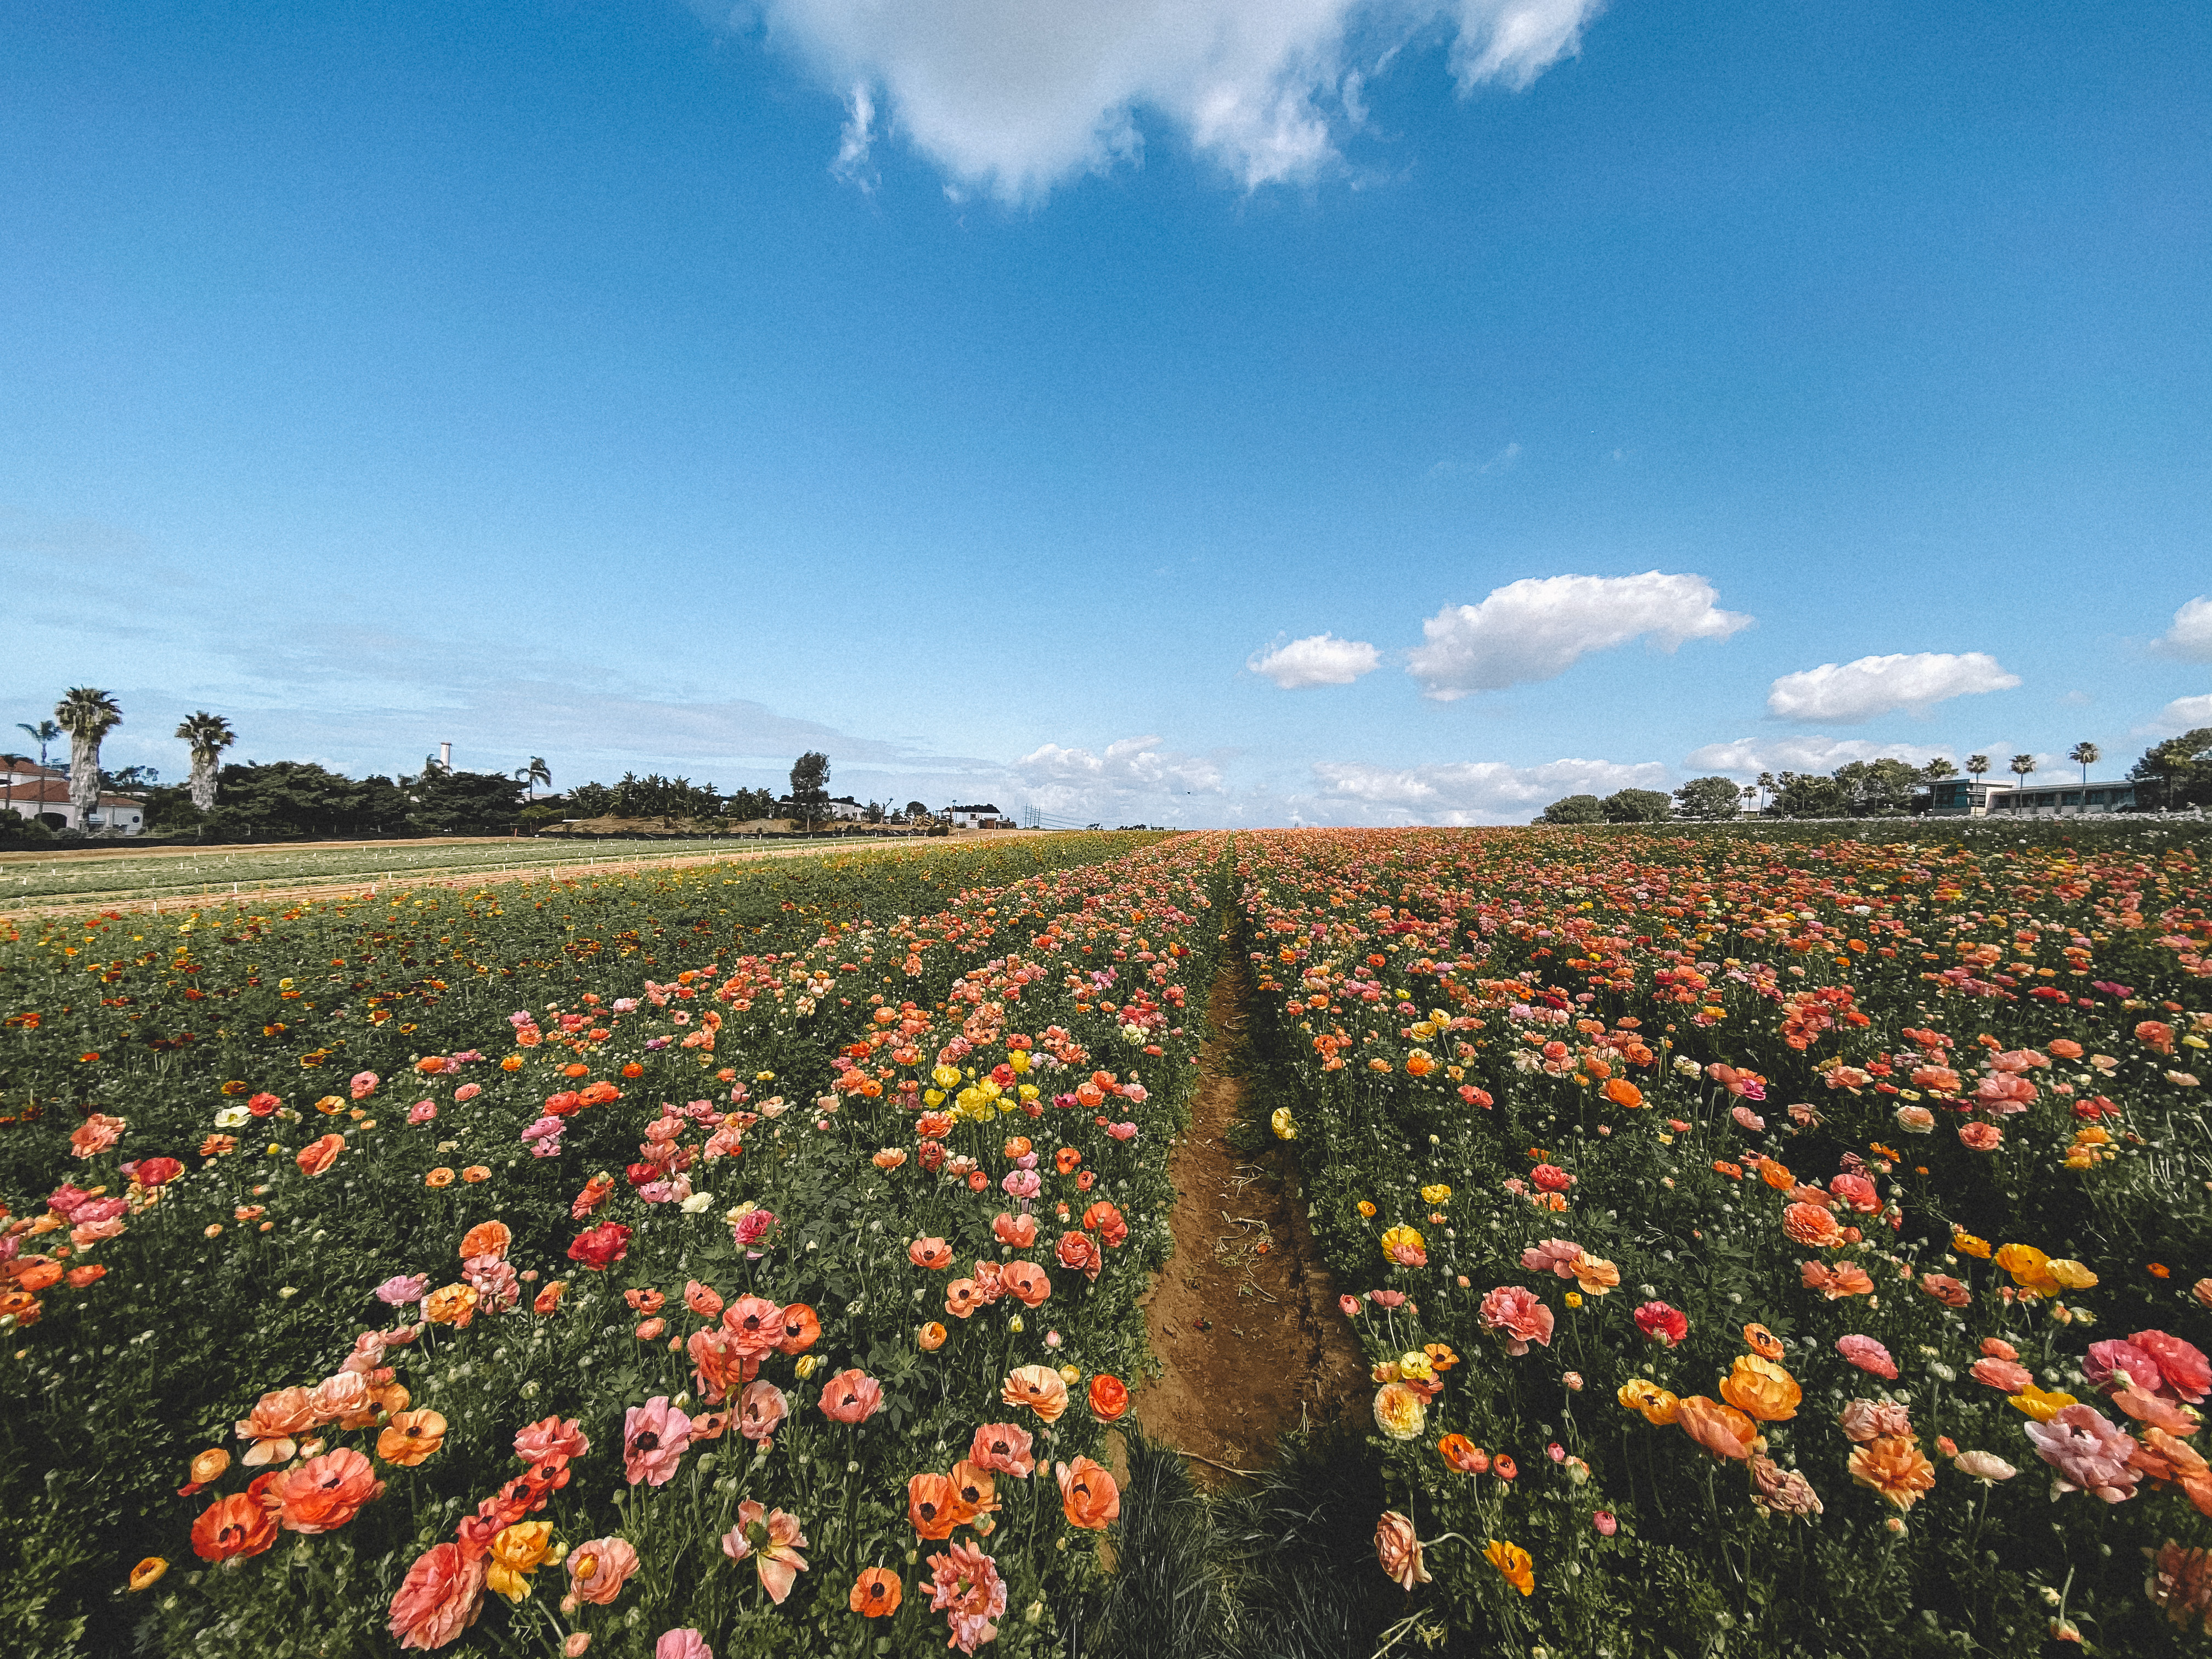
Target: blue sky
(981, 392)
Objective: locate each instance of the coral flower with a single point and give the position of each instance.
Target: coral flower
(1762, 1341)
(965, 1586)
(931, 1253)
(932, 1505)
(761, 1411)
(771, 1540)
(410, 1438)
(598, 1570)
(1026, 1282)
(1079, 1253)
(1399, 1551)
(1463, 1454)
(1868, 1355)
(440, 1598)
(1722, 1429)
(974, 1492)
(876, 1593)
(702, 1299)
(1979, 1137)
(1020, 1232)
(754, 1326)
(2180, 1584)
(234, 1526)
(1760, 1388)
(2003, 1375)
(551, 1438)
(2186, 1372)
(487, 1238)
(1513, 1563)
(1039, 1388)
(1516, 1314)
(1003, 1449)
(963, 1297)
(1664, 1325)
(1894, 1466)
(850, 1396)
(797, 1330)
(1109, 1397)
(317, 1156)
(277, 1417)
(1811, 1225)
(654, 1436)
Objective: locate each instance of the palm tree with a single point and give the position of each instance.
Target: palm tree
(208, 735)
(535, 773)
(2085, 756)
(2023, 767)
(1765, 783)
(42, 734)
(87, 714)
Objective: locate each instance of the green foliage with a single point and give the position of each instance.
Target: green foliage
(1804, 795)
(443, 802)
(300, 798)
(2177, 772)
(649, 797)
(169, 809)
(1575, 809)
(1711, 800)
(1637, 807)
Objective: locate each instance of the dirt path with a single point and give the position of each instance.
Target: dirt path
(1243, 1317)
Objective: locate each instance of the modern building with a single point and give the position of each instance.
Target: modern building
(42, 793)
(1982, 797)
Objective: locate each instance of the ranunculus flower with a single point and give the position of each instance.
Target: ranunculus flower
(1088, 1495)
(599, 1248)
(598, 1570)
(1400, 1412)
(1514, 1313)
(440, 1597)
(2089, 1453)
(965, 1586)
(1868, 1355)
(1894, 1466)
(551, 1437)
(2187, 1372)
(1109, 1397)
(850, 1396)
(1399, 1551)
(654, 1436)
(2003, 1375)
(771, 1540)
(234, 1526)
(1664, 1325)
(761, 1411)
(1722, 1429)
(1039, 1388)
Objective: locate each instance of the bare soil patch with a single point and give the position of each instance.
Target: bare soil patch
(1243, 1317)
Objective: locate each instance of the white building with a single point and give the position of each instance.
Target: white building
(841, 809)
(985, 816)
(42, 793)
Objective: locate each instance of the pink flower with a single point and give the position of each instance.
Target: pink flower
(1866, 1420)
(2088, 1452)
(684, 1643)
(439, 1598)
(753, 1226)
(2003, 1375)
(965, 1586)
(468, 1091)
(1023, 1183)
(1749, 1118)
(761, 1411)
(1553, 1255)
(1855, 1191)
(1606, 1525)
(771, 1540)
(422, 1111)
(403, 1288)
(1003, 1449)
(654, 1436)
(1122, 1131)
(551, 1437)
(850, 1396)
(1868, 1355)
(364, 1085)
(2118, 1354)
(754, 1325)
(1980, 1137)
(1346, 1305)
(598, 1570)
(1664, 1325)
(2188, 1374)
(1516, 1314)
(2003, 1093)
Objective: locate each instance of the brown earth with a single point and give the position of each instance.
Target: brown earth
(1243, 1317)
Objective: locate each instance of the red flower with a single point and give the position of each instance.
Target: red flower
(1664, 1325)
(599, 1248)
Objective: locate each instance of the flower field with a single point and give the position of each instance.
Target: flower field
(1762, 1246)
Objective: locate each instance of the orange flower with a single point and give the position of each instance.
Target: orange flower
(1894, 1466)
(475, 1173)
(1512, 1561)
(1776, 1175)
(974, 1492)
(1809, 1223)
(438, 1177)
(455, 1305)
(1763, 1342)
(486, 1238)
(1463, 1454)
(1621, 1092)
(798, 1330)
(1720, 1430)
(147, 1573)
(233, 1526)
(1109, 1397)
(1039, 1388)
(931, 1505)
(1762, 1389)
(410, 1438)
(876, 1593)
(317, 1156)
(931, 1336)
(325, 1493)
(1088, 1496)
(277, 1417)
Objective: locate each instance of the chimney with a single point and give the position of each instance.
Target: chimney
(446, 755)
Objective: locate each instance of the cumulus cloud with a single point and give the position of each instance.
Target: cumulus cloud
(1014, 96)
(1318, 660)
(1539, 628)
(1477, 792)
(1749, 756)
(2183, 715)
(2190, 636)
(1130, 778)
(1853, 691)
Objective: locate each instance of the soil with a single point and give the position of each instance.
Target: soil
(1243, 1317)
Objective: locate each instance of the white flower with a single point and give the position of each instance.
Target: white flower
(231, 1116)
(697, 1202)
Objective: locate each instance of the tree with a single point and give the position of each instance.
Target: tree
(1574, 809)
(1978, 764)
(2085, 756)
(1711, 800)
(2023, 767)
(298, 798)
(87, 714)
(207, 736)
(535, 773)
(2177, 772)
(1938, 769)
(451, 802)
(1878, 786)
(43, 733)
(915, 811)
(1637, 807)
(170, 808)
(1807, 795)
(1765, 781)
(810, 787)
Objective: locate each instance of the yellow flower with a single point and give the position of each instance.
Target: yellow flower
(1416, 1368)
(1573, 1298)
(1967, 1244)
(2040, 1406)
(516, 1553)
(1659, 1406)
(933, 1096)
(1436, 1195)
(1365, 1208)
(1595, 1274)
(945, 1077)
(143, 1576)
(1281, 1122)
(1762, 1389)
(2029, 1267)
(2072, 1274)
(1513, 1562)
(1020, 1059)
(1400, 1238)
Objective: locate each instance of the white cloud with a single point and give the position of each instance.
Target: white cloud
(855, 139)
(1537, 628)
(1747, 757)
(1132, 778)
(1477, 792)
(1853, 691)
(1318, 660)
(2183, 714)
(1017, 95)
(2190, 636)
(1504, 461)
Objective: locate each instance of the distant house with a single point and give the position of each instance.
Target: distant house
(985, 816)
(842, 809)
(42, 793)
(1979, 797)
